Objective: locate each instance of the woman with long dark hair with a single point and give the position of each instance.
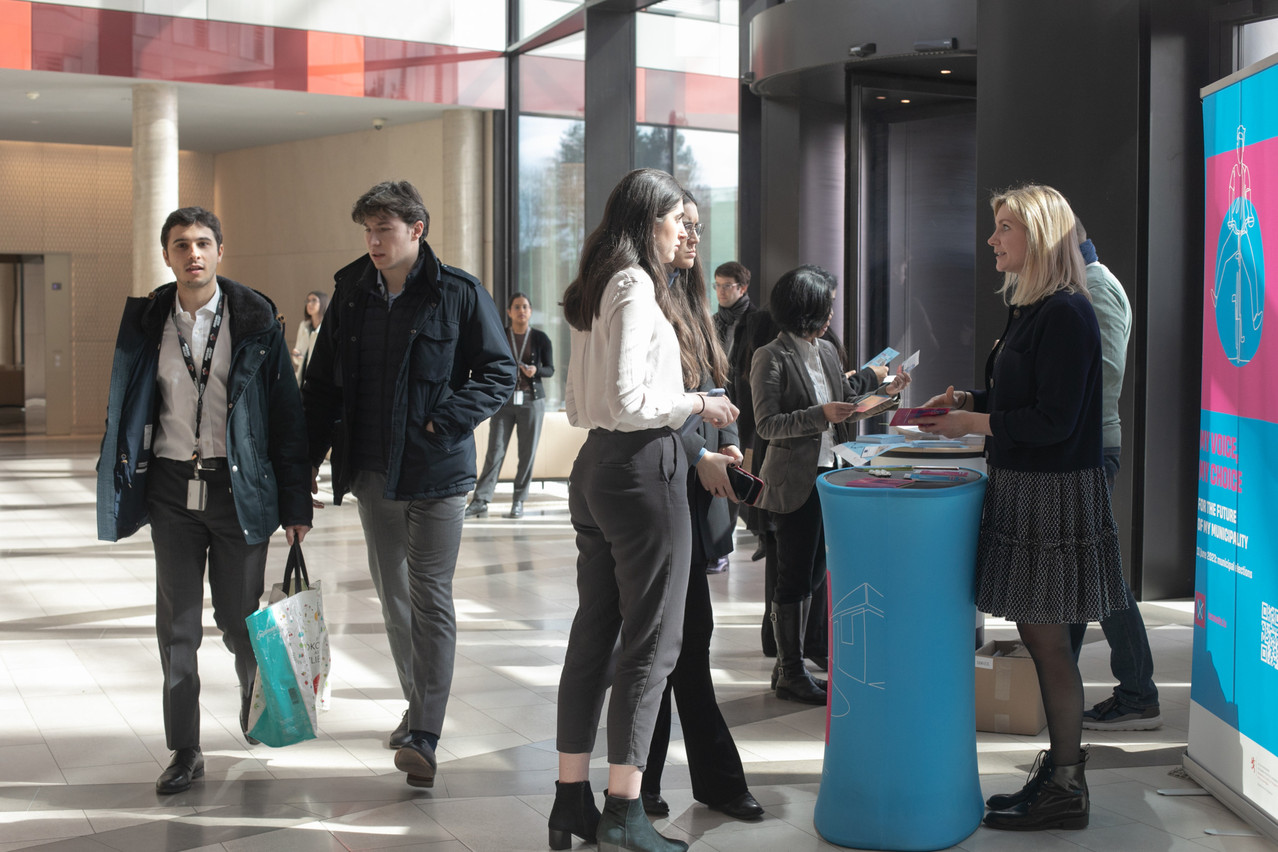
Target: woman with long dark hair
(1048, 553)
(631, 360)
(307, 330)
(714, 764)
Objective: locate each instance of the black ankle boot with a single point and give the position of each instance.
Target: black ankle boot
(574, 812)
(1061, 802)
(793, 682)
(624, 827)
(1039, 772)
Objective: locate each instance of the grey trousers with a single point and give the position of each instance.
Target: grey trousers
(412, 554)
(628, 499)
(525, 422)
(184, 542)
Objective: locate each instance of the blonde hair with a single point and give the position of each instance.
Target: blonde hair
(1053, 262)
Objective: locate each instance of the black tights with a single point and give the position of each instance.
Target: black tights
(1061, 686)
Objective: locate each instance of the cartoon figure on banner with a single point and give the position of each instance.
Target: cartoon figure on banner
(1240, 269)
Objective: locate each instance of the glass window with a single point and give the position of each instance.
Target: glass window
(536, 15)
(1256, 41)
(551, 226)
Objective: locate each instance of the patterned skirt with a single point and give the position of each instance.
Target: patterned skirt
(1048, 550)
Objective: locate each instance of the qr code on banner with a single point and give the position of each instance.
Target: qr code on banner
(1268, 634)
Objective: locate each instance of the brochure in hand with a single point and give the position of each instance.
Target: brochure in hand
(910, 416)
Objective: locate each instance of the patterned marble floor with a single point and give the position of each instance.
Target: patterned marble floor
(81, 736)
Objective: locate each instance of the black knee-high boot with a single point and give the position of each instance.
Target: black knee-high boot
(793, 681)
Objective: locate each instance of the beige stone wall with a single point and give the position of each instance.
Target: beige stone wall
(285, 209)
(76, 200)
(285, 212)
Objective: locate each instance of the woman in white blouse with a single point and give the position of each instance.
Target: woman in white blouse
(307, 331)
(629, 505)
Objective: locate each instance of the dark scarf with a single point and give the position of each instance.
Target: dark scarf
(726, 318)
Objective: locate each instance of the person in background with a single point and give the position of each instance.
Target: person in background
(632, 356)
(409, 360)
(218, 479)
(307, 329)
(718, 778)
(1048, 552)
(801, 407)
(522, 414)
(1133, 706)
(731, 281)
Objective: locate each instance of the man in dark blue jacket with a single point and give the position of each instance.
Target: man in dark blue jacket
(204, 440)
(411, 356)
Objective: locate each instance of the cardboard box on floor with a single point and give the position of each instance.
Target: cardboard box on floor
(1007, 696)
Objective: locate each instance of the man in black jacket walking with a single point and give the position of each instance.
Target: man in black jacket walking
(411, 356)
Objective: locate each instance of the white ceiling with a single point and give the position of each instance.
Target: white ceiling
(84, 109)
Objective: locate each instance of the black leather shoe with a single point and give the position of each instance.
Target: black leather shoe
(477, 509)
(186, 766)
(417, 759)
(516, 509)
(400, 737)
(245, 702)
(654, 805)
(742, 807)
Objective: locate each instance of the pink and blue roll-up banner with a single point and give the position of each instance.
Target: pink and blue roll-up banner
(1233, 721)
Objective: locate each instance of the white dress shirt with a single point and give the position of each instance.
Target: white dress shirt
(625, 374)
(178, 394)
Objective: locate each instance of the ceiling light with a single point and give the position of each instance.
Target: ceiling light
(905, 100)
(946, 71)
(31, 96)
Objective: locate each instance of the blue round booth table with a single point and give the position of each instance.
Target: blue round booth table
(900, 754)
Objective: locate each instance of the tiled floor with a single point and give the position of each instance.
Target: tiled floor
(81, 737)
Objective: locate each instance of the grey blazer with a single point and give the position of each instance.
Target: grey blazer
(788, 415)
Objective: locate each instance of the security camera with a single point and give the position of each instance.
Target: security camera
(379, 123)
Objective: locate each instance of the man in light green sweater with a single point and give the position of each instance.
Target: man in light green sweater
(1134, 704)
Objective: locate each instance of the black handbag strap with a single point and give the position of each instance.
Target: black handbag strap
(295, 569)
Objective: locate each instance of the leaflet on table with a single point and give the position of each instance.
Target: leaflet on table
(858, 454)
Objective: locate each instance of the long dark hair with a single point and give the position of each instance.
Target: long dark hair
(703, 349)
(625, 238)
(323, 300)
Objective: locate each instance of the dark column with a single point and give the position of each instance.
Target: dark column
(610, 105)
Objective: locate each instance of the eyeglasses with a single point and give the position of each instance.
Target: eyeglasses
(694, 230)
(729, 285)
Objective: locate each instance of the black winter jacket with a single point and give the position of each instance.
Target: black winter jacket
(265, 438)
(456, 372)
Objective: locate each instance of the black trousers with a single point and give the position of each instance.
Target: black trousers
(800, 551)
(713, 762)
(628, 499)
(185, 541)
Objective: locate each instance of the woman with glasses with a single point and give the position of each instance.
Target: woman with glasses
(632, 357)
(1048, 553)
(718, 778)
(802, 403)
